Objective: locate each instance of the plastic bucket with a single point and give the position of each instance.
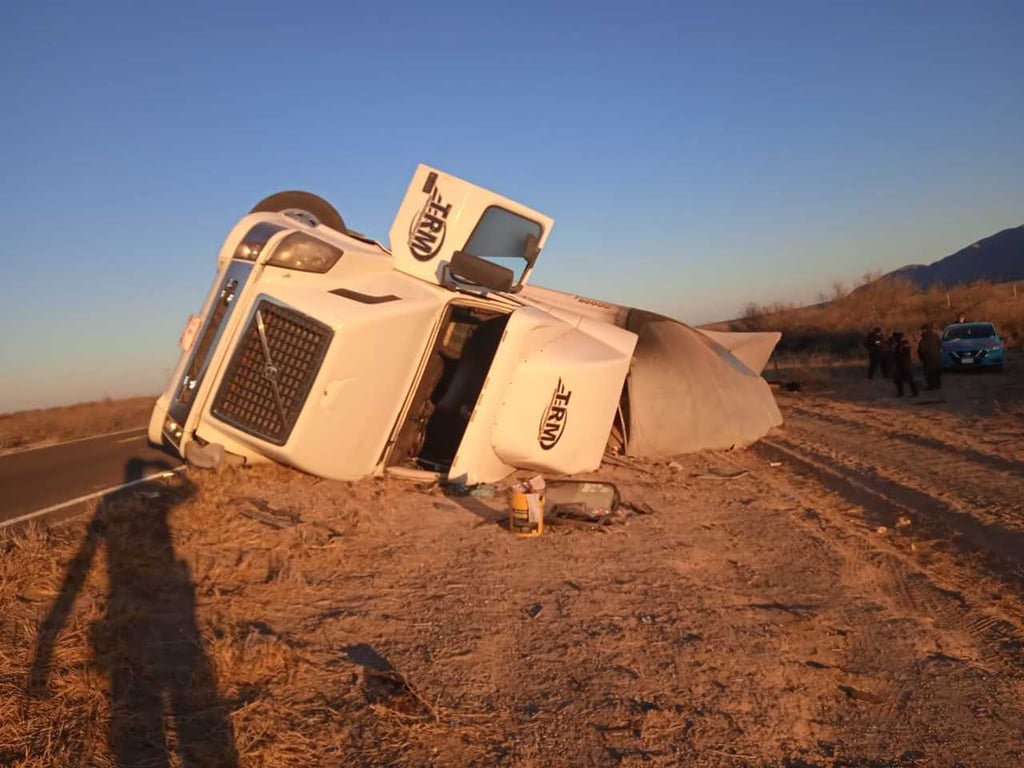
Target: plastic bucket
(526, 516)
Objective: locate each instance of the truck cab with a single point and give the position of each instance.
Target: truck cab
(322, 349)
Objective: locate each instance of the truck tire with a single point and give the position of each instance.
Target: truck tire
(302, 202)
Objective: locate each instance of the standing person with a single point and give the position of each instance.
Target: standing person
(902, 365)
(873, 344)
(888, 350)
(929, 351)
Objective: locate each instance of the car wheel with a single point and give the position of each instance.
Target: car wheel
(297, 202)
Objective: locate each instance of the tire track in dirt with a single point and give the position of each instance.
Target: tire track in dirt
(935, 487)
(914, 646)
(915, 591)
(977, 454)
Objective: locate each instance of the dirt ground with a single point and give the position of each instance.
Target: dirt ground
(845, 593)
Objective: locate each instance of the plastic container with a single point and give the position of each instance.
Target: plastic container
(526, 508)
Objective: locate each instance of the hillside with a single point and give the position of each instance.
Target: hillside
(997, 258)
(837, 327)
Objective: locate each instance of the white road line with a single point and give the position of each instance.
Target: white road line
(129, 439)
(87, 497)
(69, 442)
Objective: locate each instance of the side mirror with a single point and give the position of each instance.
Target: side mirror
(473, 269)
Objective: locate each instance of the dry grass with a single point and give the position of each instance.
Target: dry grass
(838, 326)
(103, 660)
(70, 421)
(389, 628)
(250, 626)
(394, 626)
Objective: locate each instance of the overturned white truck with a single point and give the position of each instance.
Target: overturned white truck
(320, 348)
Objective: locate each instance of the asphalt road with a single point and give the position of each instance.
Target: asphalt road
(43, 478)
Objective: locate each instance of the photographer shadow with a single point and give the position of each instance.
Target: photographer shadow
(163, 691)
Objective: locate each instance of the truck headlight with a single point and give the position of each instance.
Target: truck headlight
(254, 240)
(304, 253)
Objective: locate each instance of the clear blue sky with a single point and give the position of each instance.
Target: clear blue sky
(694, 156)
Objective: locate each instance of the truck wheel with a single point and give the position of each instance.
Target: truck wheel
(299, 202)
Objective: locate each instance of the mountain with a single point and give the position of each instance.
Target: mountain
(997, 258)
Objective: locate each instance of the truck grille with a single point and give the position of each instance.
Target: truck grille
(271, 372)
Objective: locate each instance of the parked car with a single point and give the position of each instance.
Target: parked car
(971, 345)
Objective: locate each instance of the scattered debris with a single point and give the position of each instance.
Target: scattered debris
(639, 507)
(526, 507)
(620, 461)
(593, 495)
(534, 610)
(860, 695)
(480, 491)
(722, 475)
(881, 530)
(903, 521)
(797, 609)
(588, 503)
(387, 691)
(264, 513)
(208, 456)
(774, 464)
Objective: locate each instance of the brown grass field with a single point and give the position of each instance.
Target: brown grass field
(51, 425)
(844, 594)
(838, 324)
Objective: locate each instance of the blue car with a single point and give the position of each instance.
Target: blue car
(971, 345)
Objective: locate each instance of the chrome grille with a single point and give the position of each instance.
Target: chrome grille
(271, 372)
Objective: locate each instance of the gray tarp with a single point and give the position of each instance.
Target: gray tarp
(753, 348)
(688, 393)
(688, 389)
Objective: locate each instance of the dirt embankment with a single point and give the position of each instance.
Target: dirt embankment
(846, 593)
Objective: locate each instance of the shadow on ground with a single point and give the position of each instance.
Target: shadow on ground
(164, 703)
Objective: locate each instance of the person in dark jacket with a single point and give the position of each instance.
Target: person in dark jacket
(903, 365)
(929, 351)
(886, 356)
(873, 344)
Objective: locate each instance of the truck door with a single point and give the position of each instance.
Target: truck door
(451, 232)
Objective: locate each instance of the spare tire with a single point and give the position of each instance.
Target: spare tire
(305, 205)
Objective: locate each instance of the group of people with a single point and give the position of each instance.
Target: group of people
(892, 356)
